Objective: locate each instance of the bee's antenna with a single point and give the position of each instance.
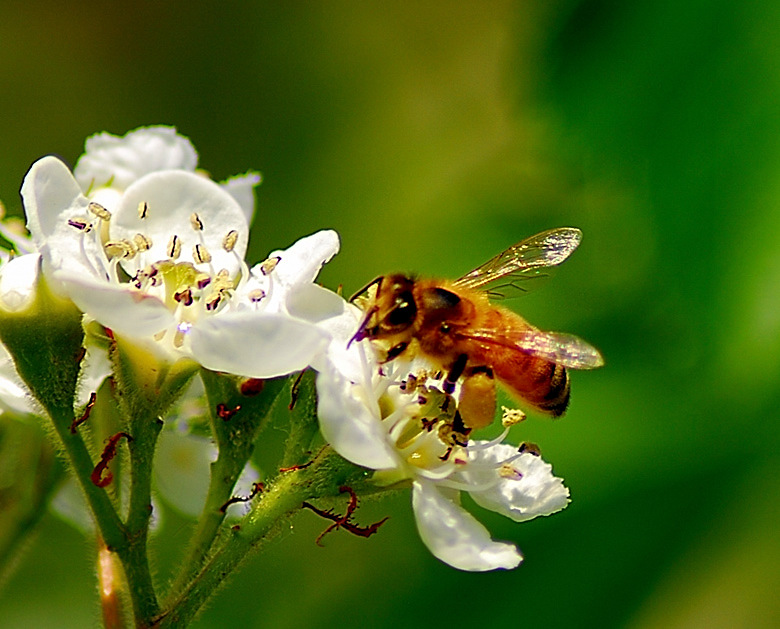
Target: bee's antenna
(361, 331)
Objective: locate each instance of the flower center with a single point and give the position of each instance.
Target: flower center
(426, 426)
(188, 287)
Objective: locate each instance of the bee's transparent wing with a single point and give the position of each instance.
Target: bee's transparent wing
(525, 259)
(564, 349)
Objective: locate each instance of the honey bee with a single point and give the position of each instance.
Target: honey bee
(454, 325)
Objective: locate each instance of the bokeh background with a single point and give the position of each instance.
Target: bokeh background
(431, 136)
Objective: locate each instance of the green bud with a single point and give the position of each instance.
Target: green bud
(45, 339)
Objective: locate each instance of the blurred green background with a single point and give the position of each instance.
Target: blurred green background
(431, 136)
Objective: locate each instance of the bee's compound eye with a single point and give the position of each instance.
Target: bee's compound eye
(404, 311)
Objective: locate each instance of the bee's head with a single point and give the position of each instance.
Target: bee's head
(389, 305)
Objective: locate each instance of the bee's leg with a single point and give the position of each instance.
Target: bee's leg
(456, 371)
(395, 351)
(477, 404)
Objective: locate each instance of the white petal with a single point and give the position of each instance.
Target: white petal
(525, 489)
(13, 394)
(119, 307)
(182, 471)
(49, 191)
(339, 319)
(454, 535)
(242, 189)
(172, 197)
(302, 261)
(255, 344)
(350, 425)
(95, 368)
(119, 161)
(314, 303)
(18, 280)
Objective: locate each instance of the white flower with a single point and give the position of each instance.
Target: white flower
(409, 430)
(112, 163)
(165, 265)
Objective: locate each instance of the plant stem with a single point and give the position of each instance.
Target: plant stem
(111, 528)
(235, 438)
(323, 477)
(278, 503)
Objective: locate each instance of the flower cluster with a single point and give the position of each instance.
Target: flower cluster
(153, 250)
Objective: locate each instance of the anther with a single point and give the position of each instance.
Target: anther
(269, 265)
(184, 297)
(80, 225)
(202, 280)
(143, 209)
(99, 211)
(507, 471)
(142, 243)
(201, 254)
(256, 295)
(174, 247)
(120, 249)
(196, 223)
(511, 416)
(230, 240)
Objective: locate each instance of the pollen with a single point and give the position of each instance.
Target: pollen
(99, 211)
(230, 240)
(184, 297)
(269, 265)
(196, 223)
(507, 471)
(201, 254)
(174, 247)
(142, 242)
(83, 226)
(511, 416)
(143, 209)
(120, 249)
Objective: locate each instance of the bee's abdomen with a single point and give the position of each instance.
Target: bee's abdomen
(539, 382)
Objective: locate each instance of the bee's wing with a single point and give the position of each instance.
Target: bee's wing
(564, 349)
(525, 259)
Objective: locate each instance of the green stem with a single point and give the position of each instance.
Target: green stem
(135, 558)
(111, 528)
(280, 500)
(277, 504)
(235, 439)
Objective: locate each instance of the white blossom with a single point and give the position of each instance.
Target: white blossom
(160, 257)
(396, 419)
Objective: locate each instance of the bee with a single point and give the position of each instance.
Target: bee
(455, 326)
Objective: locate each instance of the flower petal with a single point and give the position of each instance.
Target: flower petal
(348, 424)
(117, 306)
(525, 489)
(18, 280)
(13, 394)
(172, 197)
(182, 471)
(255, 344)
(118, 161)
(338, 318)
(302, 261)
(49, 191)
(454, 535)
(242, 189)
